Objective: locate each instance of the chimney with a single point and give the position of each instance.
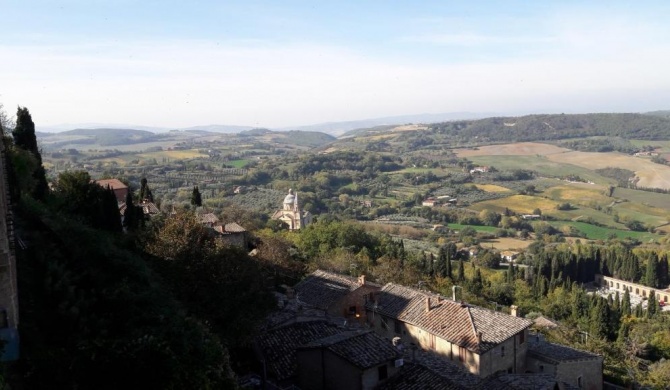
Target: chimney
(514, 310)
(427, 300)
(479, 337)
(361, 279)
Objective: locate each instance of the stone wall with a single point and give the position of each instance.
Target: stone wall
(9, 300)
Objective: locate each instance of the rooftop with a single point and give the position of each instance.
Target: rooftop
(363, 348)
(114, 184)
(322, 289)
(279, 345)
(452, 321)
(523, 382)
(550, 352)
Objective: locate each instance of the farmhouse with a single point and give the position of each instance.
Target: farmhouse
(479, 170)
(120, 189)
(430, 202)
(509, 256)
(482, 341)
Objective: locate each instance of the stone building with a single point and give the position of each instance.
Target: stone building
(353, 360)
(663, 295)
(120, 189)
(337, 295)
(580, 369)
(291, 214)
(481, 340)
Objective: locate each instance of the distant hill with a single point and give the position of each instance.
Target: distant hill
(220, 128)
(339, 128)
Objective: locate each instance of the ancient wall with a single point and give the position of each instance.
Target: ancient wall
(9, 300)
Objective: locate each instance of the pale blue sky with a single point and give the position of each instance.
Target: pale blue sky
(258, 63)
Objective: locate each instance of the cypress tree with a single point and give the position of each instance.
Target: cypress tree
(196, 198)
(625, 304)
(651, 276)
(461, 271)
(599, 319)
(441, 266)
(24, 138)
(663, 279)
(652, 304)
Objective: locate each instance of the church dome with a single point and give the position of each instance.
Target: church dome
(290, 198)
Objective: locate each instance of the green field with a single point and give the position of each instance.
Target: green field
(486, 229)
(238, 163)
(593, 232)
(539, 164)
(649, 198)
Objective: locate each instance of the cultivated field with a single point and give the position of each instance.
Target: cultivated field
(522, 204)
(516, 149)
(492, 188)
(650, 174)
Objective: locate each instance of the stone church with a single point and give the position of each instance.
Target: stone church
(291, 214)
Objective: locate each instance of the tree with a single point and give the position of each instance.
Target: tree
(461, 271)
(145, 191)
(651, 276)
(24, 138)
(196, 198)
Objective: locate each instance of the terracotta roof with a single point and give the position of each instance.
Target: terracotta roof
(555, 353)
(362, 348)
(149, 208)
(521, 382)
(427, 370)
(544, 322)
(417, 377)
(322, 289)
(234, 228)
(114, 184)
(208, 218)
(279, 345)
(452, 321)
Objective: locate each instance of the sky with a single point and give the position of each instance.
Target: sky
(287, 63)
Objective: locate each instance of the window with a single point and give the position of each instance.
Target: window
(352, 310)
(397, 327)
(383, 373)
(502, 351)
(579, 382)
(522, 337)
(541, 368)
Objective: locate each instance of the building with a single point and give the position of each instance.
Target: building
(580, 369)
(351, 360)
(663, 295)
(337, 295)
(291, 214)
(482, 341)
(509, 256)
(120, 189)
(276, 348)
(430, 202)
(232, 234)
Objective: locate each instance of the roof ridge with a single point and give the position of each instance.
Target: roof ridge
(472, 322)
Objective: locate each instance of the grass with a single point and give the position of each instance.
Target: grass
(486, 229)
(540, 164)
(522, 204)
(492, 188)
(579, 194)
(593, 232)
(654, 199)
(238, 163)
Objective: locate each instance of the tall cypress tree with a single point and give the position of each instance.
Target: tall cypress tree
(625, 304)
(461, 271)
(24, 138)
(652, 304)
(441, 266)
(651, 276)
(196, 198)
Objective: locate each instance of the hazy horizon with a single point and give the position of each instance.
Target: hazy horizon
(174, 65)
